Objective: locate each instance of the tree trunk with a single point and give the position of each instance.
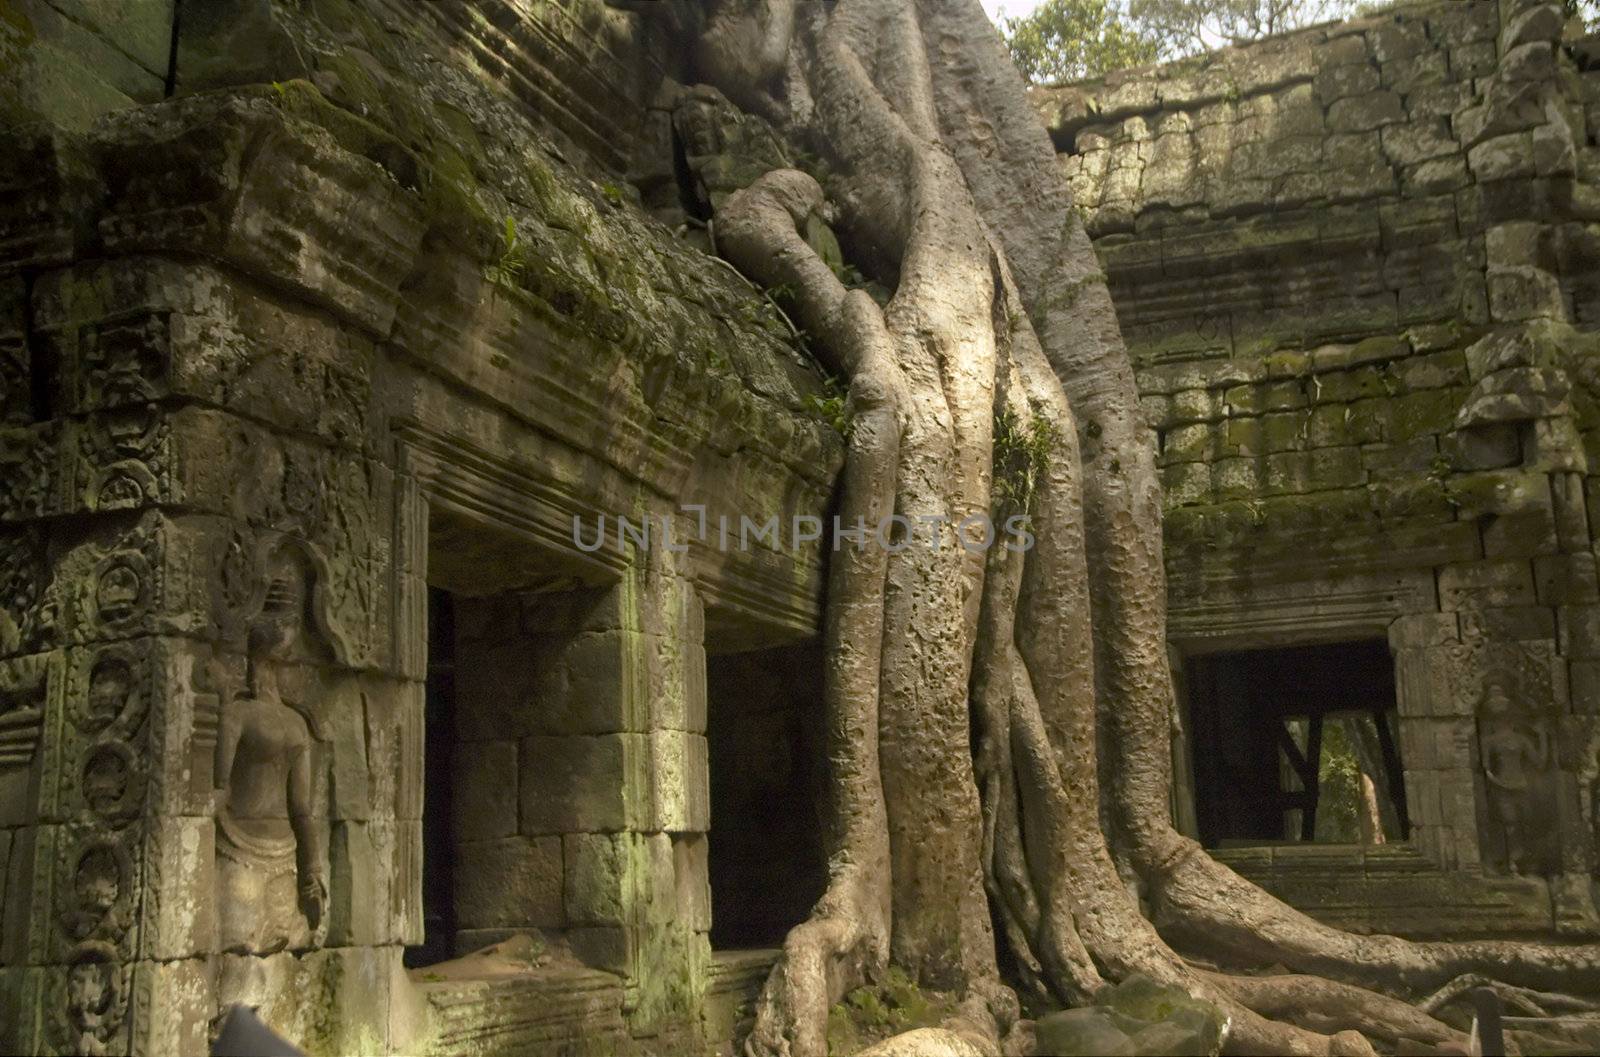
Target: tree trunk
(999, 719)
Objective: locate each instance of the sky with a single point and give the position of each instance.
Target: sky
(1013, 8)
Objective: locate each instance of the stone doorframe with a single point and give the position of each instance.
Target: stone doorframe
(1403, 607)
(631, 894)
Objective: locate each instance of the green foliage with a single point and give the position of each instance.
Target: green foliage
(833, 406)
(1068, 40)
(1338, 787)
(1021, 456)
(870, 1014)
(506, 269)
(1186, 27)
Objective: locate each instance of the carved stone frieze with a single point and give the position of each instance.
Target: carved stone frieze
(16, 391)
(89, 1014)
(97, 895)
(28, 471)
(123, 361)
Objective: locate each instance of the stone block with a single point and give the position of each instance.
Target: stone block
(546, 684)
(360, 877)
(1555, 446)
(1242, 437)
(1422, 630)
(578, 783)
(1157, 410)
(1236, 478)
(1566, 579)
(1477, 585)
(1370, 421)
(1437, 176)
(1186, 444)
(679, 782)
(1328, 427)
(1284, 430)
(1517, 623)
(1242, 399)
(1404, 459)
(484, 804)
(1488, 447)
(657, 891)
(692, 875)
(405, 890)
(1507, 157)
(1418, 140)
(1435, 370)
(599, 868)
(1338, 82)
(1430, 411)
(603, 947)
(1413, 500)
(1336, 468)
(1363, 112)
(1350, 385)
(1533, 61)
(1533, 22)
(1520, 533)
(180, 1001)
(1584, 681)
(179, 901)
(1429, 68)
(514, 882)
(1185, 483)
(1571, 511)
(1195, 405)
(1579, 637)
(1287, 473)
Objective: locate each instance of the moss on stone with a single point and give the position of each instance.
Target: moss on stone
(895, 1005)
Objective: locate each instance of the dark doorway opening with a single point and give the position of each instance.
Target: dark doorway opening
(439, 735)
(768, 761)
(1296, 744)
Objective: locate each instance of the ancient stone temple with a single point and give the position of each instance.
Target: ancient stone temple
(1355, 266)
(392, 633)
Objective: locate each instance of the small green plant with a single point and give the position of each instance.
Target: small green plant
(833, 406)
(873, 1013)
(507, 267)
(613, 194)
(849, 274)
(1021, 457)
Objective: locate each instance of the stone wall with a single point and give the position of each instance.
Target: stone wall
(352, 300)
(1354, 267)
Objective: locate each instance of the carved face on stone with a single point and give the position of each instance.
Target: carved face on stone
(118, 593)
(89, 987)
(110, 685)
(1496, 700)
(282, 614)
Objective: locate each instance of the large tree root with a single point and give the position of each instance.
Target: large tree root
(998, 725)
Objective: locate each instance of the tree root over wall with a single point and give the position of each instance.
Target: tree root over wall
(998, 721)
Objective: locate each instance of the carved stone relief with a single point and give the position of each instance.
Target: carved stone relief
(15, 385)
(123, 460)
(271, 873)
(94, 1008)
(27, 471)
(24, 622)
(24, 703)
(123, 361)
(1514, 689)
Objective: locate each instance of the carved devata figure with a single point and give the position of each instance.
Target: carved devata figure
(1512, 761)
(272, 884)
